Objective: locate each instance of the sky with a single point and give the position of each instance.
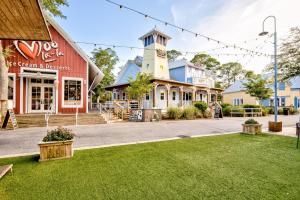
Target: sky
(232, 21)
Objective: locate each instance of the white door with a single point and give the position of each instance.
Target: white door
(41, 98)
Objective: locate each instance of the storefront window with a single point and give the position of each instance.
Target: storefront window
(11, 89)
(72, 92)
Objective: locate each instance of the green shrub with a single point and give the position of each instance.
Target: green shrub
(251, 121)
(265, 111)
(226, 111)
(59, 134)
(237, 109)
(225, 105)
(174, 113)
(207, 114)
(294, 111)
(201, 106)
(251, 106)
(189, 112)
(280, 111)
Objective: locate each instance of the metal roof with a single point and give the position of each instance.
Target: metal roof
(23, 20)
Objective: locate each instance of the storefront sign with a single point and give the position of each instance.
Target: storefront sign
(47, 51)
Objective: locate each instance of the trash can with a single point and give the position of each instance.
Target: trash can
(286, 111)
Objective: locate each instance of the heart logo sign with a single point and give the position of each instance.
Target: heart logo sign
(28, 50)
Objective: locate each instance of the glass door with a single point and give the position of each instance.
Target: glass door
(36, 100)
(47, 98)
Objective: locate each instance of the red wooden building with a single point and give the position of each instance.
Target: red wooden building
(46, 76)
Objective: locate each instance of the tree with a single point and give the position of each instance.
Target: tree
(139, 87)
(256, 87)
(105, 59)
(209, 62)
(173, 54)
(52, 6)
(230, 72)
(289, 59)
(249, 74)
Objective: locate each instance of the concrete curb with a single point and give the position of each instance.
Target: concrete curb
(124, 144)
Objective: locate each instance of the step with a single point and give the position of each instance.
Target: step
(5, 169)
(58, 120)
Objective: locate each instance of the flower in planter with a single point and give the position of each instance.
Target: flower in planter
(59, 134)
(251, 121)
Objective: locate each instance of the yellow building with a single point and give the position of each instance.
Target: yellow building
(288, 94)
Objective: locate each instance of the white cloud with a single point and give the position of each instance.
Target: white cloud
(234, 21)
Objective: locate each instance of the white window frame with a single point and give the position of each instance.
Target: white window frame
(14, 94)
(64, 78)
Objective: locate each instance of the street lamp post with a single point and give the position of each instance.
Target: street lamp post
(275, 63)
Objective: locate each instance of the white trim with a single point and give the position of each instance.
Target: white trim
(63, 92)
(14, 85)
(27, 101)
(21, 95)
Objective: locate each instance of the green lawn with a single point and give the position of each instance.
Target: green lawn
(221, 167)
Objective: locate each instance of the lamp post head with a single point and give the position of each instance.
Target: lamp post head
(263, 33)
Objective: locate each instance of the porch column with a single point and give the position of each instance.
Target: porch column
(181, 95)
(154, 95)
(194, 95)
(168, 94)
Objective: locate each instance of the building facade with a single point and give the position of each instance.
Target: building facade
(176, 84)
(288, 94)
(54, 76)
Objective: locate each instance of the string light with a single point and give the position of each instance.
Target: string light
(182, 52)
(172, 25)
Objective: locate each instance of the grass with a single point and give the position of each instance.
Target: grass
(222, 167)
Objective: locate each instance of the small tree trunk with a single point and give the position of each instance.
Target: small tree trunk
(3, 82)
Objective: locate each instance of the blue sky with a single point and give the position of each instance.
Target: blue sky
(228, 20)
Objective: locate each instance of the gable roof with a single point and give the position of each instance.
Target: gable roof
(237, 86)
(95, 74)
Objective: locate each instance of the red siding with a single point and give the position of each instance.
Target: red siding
(76, 64)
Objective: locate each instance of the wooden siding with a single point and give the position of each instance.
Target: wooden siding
(77, 69)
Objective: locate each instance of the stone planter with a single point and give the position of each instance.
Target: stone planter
(252, 128)
(56, 150)
(275, 126)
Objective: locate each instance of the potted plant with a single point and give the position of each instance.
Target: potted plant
(251, 126)
(57, 144)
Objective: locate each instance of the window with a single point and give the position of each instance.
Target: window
(161, 67)
(147, 97)
(73, 94)
(238, 101)
(173, 95)
(46, 81)
(282, 103)
(33, 80)
(281, 86)
(124, 95)
(11, 88)
(115, 95)
(162, 96)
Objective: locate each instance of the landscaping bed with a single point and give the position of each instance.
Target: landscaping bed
(233, 166)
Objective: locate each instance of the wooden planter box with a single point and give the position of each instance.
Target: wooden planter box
(275, 126)
(252, 128)
(56, 150)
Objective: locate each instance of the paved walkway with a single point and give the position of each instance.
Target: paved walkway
(24, 141)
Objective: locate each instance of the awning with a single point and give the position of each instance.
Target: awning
(23, 20)
(95, 76)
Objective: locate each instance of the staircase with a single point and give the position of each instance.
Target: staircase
(38, 120)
